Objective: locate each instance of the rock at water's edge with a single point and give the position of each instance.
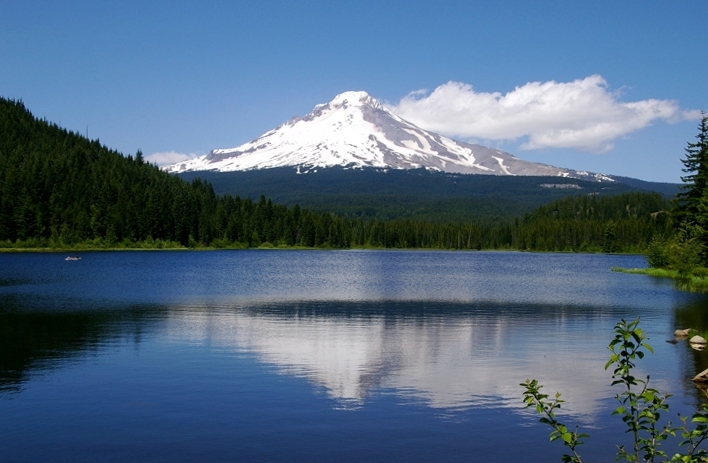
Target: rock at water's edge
(701, 377)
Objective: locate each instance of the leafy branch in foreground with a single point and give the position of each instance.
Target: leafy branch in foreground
(694, 437)
(545, 407)
(640, 407)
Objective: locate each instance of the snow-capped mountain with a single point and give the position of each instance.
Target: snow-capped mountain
(355, 130)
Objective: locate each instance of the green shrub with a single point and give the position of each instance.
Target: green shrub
(701, 272)
(658, 253)
(640, 408)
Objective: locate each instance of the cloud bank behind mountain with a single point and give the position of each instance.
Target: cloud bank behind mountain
(583, 114)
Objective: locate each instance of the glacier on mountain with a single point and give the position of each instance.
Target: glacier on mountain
(355, 130)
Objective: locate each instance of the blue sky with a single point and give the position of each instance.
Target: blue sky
(608, 86)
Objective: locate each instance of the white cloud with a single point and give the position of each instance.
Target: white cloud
(168, 157)
(582, 114)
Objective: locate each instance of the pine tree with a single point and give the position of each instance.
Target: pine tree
(696, 180)
(691, 208)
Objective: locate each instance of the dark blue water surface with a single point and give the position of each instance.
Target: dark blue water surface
(322, 356)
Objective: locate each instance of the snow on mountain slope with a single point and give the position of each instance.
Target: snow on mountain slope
(355, 130)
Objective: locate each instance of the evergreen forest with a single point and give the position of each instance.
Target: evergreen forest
(59, 190)
(414, 194)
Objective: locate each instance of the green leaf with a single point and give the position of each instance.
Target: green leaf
(613, 359)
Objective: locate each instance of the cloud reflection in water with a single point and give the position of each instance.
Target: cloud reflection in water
(448, 357)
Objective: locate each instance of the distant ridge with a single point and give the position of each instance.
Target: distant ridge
(417, 194)
(355, 130)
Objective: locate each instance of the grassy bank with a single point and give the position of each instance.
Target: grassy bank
(696, 283)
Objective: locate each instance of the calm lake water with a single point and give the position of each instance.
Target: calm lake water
(322, 356)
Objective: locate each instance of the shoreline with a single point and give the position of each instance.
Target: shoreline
(685, 282)
(19, 250)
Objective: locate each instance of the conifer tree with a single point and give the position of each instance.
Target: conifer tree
(691, 209)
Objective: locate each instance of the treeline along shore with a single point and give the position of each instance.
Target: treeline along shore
(59, 190)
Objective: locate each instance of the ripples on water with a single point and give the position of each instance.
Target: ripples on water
(318, 356)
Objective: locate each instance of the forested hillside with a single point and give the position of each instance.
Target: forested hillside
(415, 194)
(625, 222)
(60, 190)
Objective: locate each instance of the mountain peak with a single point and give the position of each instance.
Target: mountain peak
(356, 130)
(355, 98)
(351, 97)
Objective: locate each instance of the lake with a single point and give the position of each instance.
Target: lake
(322, 356)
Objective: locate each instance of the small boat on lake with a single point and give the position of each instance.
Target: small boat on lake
(73, 258)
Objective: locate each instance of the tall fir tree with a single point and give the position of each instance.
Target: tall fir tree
(691, 208)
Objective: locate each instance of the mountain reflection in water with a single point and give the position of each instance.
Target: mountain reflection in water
(448, 356)
(444, 355)
(316, 356)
